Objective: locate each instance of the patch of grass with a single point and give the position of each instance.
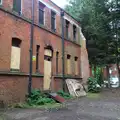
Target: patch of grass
(2, 117)
(50, 106)
(46, 106)
(93, 95)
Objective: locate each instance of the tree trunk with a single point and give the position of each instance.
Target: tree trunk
(102, 81)
(108, 76)
(91, 71)
(118, 69)
(95, 71)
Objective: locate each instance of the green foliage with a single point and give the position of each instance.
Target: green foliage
(64, 95)
(39, 98)
(98, 74)
(93, 85)
(100, 21)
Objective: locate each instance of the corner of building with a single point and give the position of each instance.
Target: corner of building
(85, 70)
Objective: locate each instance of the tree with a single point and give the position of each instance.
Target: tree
(100, 20)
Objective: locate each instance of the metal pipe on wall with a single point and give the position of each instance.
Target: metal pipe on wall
(63, 51)
(31, 49)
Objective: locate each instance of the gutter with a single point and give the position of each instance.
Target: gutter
(63, 47)
(31, 50)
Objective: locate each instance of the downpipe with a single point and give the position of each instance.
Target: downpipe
(63, 51)
(31, 50)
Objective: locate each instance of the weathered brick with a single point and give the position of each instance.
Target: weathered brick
(15, 87)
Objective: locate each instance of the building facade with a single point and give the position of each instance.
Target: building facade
(15, 36)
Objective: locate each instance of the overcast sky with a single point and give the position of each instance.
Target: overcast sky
(60, 3)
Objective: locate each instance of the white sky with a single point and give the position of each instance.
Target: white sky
(60, 3)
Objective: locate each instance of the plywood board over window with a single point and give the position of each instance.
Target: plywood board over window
(48, 52)
(15, 58)
(47, 69)
(76, 66)
(15, 54)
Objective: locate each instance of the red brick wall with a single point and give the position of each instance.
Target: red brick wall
(57, 84)
(26, 12)
(10, 27)
(13, 27)
(85, 70)
(13, 89)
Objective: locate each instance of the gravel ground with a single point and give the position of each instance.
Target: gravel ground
(104, 107)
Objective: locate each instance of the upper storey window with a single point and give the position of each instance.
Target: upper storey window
(0, 2)
(41, 13)
(53, 21)
(67, 28)
(17, 6)
(74, 32)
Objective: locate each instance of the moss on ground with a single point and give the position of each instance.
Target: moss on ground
(93, 95)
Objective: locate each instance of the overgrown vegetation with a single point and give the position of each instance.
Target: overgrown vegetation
(94, 95)
(39, 98)
(98, 74)
(93, 85)
(64, 95)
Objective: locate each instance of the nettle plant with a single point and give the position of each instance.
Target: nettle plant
(93, 85)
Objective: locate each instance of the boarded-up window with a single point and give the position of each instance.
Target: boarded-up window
(76, 66)
(69, 64)
(17, 6)
(41, 13)
(48, 52)
(15, 54)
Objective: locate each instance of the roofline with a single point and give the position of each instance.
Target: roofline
(64, 11)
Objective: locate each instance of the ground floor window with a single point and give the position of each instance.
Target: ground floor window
(37, 57)
(15, 54)
(69, 64)
(76, 66)
(57, 59)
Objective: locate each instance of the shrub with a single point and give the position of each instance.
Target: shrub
(93, 85)
(39, 98)
(64, 94)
